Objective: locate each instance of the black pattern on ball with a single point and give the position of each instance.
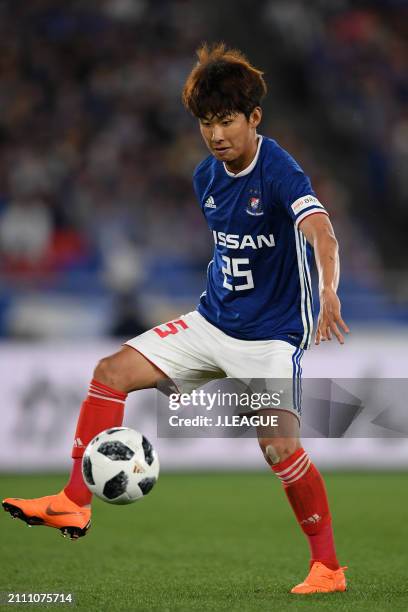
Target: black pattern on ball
(116, 451)
(116, 485)
(146, 485)
(113, 430)
(87, 469)
(148, 451)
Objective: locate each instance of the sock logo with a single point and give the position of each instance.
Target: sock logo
(315, 518)
(78, 443)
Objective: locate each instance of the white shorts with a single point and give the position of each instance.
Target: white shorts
(191, 352)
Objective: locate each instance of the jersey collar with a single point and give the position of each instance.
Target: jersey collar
(251, 166)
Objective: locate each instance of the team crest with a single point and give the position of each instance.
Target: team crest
(254, 206)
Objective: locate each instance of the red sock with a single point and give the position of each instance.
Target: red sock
(102, 409)
(307, 495)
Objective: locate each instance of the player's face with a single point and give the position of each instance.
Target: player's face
(232, 138)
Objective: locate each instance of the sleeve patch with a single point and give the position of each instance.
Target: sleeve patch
(305, 202)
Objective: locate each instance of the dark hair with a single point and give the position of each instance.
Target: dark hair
(222, 82)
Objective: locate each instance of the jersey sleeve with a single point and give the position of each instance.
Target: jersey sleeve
(200, 180)
(196, 188)
(295, 193)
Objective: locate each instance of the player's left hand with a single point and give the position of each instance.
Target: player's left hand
(330, 319)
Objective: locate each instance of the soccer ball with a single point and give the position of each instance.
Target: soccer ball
(120, 465)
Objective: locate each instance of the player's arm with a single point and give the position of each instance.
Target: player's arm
(320, 234)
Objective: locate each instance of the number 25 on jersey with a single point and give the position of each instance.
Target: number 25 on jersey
(232, 269)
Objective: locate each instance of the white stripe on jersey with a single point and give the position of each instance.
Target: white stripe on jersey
(208, 269)
(302, 287)
(305, 302)
(308, 284)
(311, 211)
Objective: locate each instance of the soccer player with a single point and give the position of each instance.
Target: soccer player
(255, 317)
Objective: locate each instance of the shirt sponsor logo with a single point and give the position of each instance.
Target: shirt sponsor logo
(210, 203)
(235, 241)
(305, 202)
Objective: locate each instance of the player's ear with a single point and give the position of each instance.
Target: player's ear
(255, 117)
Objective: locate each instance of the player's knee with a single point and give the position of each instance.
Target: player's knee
(276, 450)
(107, 373)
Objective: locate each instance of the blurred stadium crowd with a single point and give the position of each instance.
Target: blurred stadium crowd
(97, 152)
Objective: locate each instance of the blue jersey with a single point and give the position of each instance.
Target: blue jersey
(258, 282)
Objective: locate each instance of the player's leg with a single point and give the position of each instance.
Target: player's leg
(176, 350)
(114, 376)
(278, 364)
(306, 493)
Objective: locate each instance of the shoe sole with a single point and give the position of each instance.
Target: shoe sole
(69, 531)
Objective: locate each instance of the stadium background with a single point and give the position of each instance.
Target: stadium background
(101, 237)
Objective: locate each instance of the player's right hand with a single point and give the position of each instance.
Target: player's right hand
(330, 319)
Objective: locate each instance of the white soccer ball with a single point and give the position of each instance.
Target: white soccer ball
(120, 465)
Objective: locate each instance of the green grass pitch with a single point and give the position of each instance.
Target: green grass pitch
(209, 542)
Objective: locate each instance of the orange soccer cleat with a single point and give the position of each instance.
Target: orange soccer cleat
(321, 579)
(56, 511)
